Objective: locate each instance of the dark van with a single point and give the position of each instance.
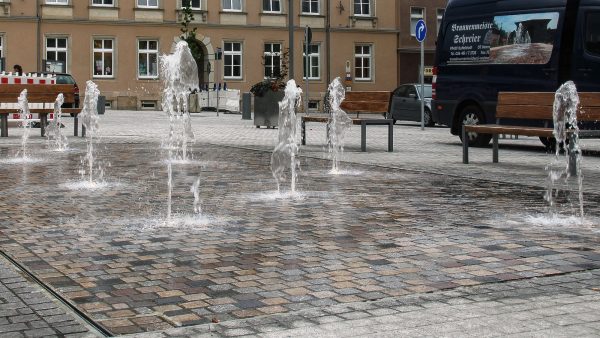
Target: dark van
(511, 45)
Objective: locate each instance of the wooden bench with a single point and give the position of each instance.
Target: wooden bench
(361, 103)
(43, 94)
(530, 106)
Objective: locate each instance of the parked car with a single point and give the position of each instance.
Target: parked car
(64, 78)
(406, 104)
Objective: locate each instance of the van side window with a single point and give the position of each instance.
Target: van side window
(592, 33)
(401, 91)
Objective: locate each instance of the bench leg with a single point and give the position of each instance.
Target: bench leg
(391, 136)
(82, 130)
(75, 125)
(495, 148)
(4, 125)
(465, 144)
(43, 121)
(303, 132)
(573, 154)
(363, 136)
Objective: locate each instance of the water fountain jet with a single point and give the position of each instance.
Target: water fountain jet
(286, 151)
(54, 134)
(338, 124)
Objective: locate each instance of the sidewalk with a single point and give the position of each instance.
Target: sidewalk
(411, 243)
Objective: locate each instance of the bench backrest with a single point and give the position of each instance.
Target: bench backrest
(540, 105)
(366, 102)
(36, 92)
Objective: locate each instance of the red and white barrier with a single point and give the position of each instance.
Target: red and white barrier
(10, 78)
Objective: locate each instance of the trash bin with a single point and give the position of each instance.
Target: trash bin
(101, 104)
(246, 106)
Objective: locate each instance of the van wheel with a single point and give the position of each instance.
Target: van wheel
(548, 142)
(473, 115)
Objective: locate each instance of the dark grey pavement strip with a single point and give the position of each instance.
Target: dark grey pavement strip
(26, 310)
(526, 310)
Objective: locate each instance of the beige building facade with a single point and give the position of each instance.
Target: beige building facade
(118, 43)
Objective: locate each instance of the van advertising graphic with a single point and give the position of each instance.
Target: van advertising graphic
(508, 39)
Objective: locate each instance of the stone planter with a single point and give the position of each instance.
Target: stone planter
(266, 109)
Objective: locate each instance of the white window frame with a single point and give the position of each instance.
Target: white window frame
(363, 56)
(57, 49)
(57, 2)
(310, 3)
(228, 5)
(439, 13)
(311, 56)
(103, 50)
(103, 3)
(361, 3)
(414, 17)
(146, 4)
(196, 8)
(270, 10)
(270, 55)
(232, 53)
(147, 52)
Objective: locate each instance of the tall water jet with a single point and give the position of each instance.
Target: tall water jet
(338, 124)
(179, 73)
(56, 138)
(89, 119)
(284, 154)
(566, 104)
(25, 118)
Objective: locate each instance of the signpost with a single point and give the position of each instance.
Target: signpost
(307, 41)
(218, 56)
(420, 33)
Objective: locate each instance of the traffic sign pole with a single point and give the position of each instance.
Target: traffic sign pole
(420, 33)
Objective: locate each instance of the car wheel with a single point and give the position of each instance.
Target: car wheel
(428, 118)
(473, 115)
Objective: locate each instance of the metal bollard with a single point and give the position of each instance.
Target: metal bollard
(246, 106)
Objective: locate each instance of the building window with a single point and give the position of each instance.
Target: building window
(273, 6)
(362, 62)
(362, 7)
(148, 58)
(194, 4)
(103, 57)
(440, 15)
(416, 14)
(57, 2)
(147, 3)
(314, 66)
(232, 5)
(272, 57)
(232, 56)
(310, 6)
(103, 3)
(56, 50)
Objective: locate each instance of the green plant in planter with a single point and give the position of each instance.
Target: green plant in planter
(276, 81)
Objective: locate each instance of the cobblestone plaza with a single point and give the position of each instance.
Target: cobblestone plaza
(409, 243)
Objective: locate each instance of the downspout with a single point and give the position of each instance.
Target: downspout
(328, 40)
(39, 34)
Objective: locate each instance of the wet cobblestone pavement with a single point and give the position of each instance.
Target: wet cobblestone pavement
(371, 243)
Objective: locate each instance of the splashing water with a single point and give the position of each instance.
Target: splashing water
(56, 139)
(180, 76)
(89, 119)
(284, 154)
(338, 124)
(560, 170)
(25, 117)
(195, 189)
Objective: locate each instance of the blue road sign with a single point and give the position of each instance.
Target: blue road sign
(420, 30)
